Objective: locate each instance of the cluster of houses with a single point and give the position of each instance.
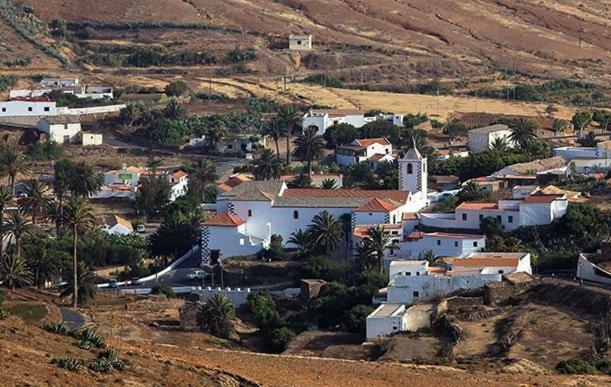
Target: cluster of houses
(34, 108)
(125, 182)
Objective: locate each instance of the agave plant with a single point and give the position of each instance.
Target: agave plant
(69, 363)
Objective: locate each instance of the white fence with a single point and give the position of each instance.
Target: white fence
(91, 110)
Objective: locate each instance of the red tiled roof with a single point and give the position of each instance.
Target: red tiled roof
(362, 231)
(409, 216)
(377, 156)
(377, 205)
(477, 206)
(179, 174)
(481, 262)
(224, 219)
(413, 235)
(396, 195)
(371, 141)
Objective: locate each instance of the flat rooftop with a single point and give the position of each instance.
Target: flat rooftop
(387, 310)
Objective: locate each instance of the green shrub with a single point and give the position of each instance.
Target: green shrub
(354, 320)
(604, 366)
(56, 327)
(575, 366)
(69, 363)
(176, 88)
(323, 80)
(3, 314)
(7, 81)
(280, 338)
(163, 289)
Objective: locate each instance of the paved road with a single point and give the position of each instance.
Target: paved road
(72, 319)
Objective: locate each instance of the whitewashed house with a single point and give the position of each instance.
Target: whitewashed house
(300, 42)
(269, 207)
(595, 267)
(179, 182)
(386, 320)
(57, 83)
(91, 139)
(125, 182)
(370, 150)
(532, 210)
(64, 129)
(116, 225)
(602, 150)
(416, 281)
(323, 119)
(28, 107)
(481, 139)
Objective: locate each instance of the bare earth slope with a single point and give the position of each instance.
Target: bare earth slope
(441, 38)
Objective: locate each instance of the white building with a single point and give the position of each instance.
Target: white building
(412, 245)
(323, 119)
(179, 182)
(602, 150)
(269, 207)
(386, 320)
(116, 225)
(56, 83)
(532, 210)
(481, 139)
(533, 168)
(300, 42)
(595, 267)
(370, 150)
(125, 182)
(61, 129)
(91, 139)
(416, 281)
(28, 107)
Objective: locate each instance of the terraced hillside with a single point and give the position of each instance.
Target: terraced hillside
(369, 41)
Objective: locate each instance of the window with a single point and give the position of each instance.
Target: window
(241, 241)
(455, 243)
(475, 244)
(416, 294)
(464, 217)
(410, 169)
(295, 214)
(3, 110)
(501, 271)
(499, 218)
(408, 273)
(29, 108)
(46, 108)
(423, 167)
(229, 146)
(249, 213)
(394, 219)
(510, 218)
(481, 217)
(417, 273)
(438, 242)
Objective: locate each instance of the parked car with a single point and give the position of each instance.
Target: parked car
(196, 275)
(136, 281)
(113, 283)
(141, 229)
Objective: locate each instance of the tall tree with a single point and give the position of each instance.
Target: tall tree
(580, 120)
(275, 129)
(82, 284)
(326, 232)
(214, 134)
(216, 316)
(44, 261)
(62, 176)
(84, 180)
(267, 166)
(18, 226)
(36, 198)
(523, 131)
(377, 242)
(54, 212)
(301, 239)
(291, 119)
(5, 200)
(79, 216)
(153, 195)
(205, 172)
(14, 272)
(309, 147)
(13, 163)
(473, 192)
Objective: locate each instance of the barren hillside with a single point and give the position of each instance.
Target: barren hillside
(386, 40)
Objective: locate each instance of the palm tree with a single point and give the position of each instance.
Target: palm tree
(205, 172)
(291, 119)
(54, 212)
(5, 199)
(36, 198)
(309, 146)
(78, 216)
(12, 164)
(85, 181)
(44, 263)
(18, 226)
(267, 166)
(174, 110)
(431, 258)
(377, 241)
(523, 131)
(472, 191)
(499, 144)
(326, 232)
(301, 239)
(153, 164)
(62, 175)
(365, 258)
(328, 184)
(14, 271)
(214, 134)
(275, 129)
(215, 316)
(82, 283)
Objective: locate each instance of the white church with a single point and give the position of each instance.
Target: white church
(249, 214)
